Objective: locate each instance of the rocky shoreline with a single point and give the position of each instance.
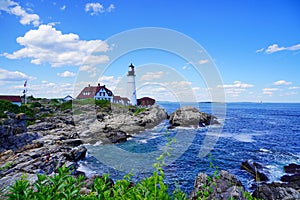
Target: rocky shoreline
(58, 140)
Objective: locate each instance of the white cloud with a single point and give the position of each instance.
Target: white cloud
(201, 62)
(111, 82)
(235, 89)
(14, 8)
(237, 84)
(275, 48)
(290, 93)
(167, 91)
(259, 50)
(6, 76)
(63, 7)
(46, 44)
(282, 82)
(110, 8)
(94, 8)
(66, 74)
(50, 89)
(152, 75)
(293, 88)
(269, 91)
(89, 69)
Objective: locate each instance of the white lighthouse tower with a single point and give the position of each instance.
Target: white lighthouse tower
(131, 92)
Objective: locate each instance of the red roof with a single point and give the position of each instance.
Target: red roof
(146, 98)
(117, 98)
(125, 99)
(90, 91)
(11, 98)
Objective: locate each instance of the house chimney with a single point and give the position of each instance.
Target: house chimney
(98, 84)
(89, 85)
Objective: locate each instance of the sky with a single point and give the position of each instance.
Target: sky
(250, 47)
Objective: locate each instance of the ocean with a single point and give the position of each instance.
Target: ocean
(268, 133)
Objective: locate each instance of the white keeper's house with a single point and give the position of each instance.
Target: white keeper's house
(97, 92)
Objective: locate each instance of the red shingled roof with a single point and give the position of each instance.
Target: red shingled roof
(11, 98)
(90, 91)
(125, 99)
(117, 98)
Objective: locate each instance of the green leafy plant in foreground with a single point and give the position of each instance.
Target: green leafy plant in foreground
(65, 186)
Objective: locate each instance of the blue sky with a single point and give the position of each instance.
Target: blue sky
(255, 45)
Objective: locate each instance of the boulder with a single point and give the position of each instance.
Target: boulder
(188, 116)
(275, 191)
(117, 125)
(256, 170)
(78, 153)
(292, 179)
(72, 142)
(226, 186)
(292, 168)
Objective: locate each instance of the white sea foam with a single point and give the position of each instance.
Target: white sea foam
(83, 168)
(144, 141)
(244, 138)
(265, 150)
(275, 173)
(98, 143)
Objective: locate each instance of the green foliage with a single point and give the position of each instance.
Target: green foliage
(65, 186)
(85, 101)
(54, 101)
(7, 166)
(28, 111)
(66, 105)
(103, 103)
(139, 110)
(35, 104)
(60, 186)
(7, 106)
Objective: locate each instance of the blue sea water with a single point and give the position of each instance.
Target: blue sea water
(268, 133)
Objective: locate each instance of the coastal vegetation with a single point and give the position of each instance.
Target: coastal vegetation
(65, 186)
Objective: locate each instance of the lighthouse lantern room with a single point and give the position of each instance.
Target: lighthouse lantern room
(131, 91)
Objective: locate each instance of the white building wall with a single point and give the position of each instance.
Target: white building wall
(131, 92)
(102, 95)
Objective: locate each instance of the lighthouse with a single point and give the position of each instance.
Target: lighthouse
(131, 92)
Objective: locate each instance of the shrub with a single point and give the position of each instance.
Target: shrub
(103, 103)
(7, 106)
(35, 105)
(66, 105)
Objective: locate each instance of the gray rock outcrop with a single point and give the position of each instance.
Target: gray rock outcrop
(188, 116)
(117, 125)
(224, 187)
(48, 144)
(256, 170)
(13, 132)
(276, 191)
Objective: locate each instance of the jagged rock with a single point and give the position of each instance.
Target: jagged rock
(273, 191)
(72, 142)
(189, 116)
(117, 125)
(14, 124)
(224, 187)
(293, 179)
(78, 153)
(292, 168)
(255, 169)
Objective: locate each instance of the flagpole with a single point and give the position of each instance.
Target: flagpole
(25, 91)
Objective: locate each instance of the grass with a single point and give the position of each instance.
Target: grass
(7, 166)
